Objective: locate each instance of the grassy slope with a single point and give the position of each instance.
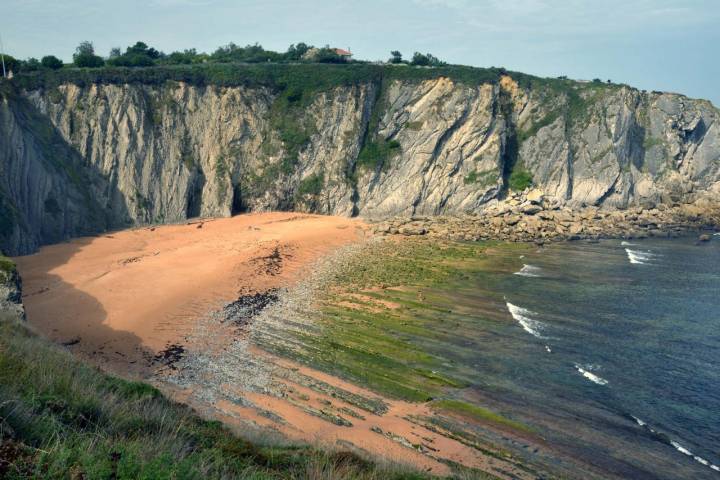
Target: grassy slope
(59, 417)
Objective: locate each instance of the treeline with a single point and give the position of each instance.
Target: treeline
(142, 55)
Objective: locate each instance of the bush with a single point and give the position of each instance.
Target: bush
(138, 55)
(131, 60)
(84, 56)
(11, 63)
(51, 62)
(396, 57)
(312, 185)
(426, 60)
(376, 153)
(520, 179)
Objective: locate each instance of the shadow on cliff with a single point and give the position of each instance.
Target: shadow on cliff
(75, 319)
(58, 194)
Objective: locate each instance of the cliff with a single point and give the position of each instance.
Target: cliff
(82, 154)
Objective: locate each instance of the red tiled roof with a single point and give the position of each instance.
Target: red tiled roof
(342, 52)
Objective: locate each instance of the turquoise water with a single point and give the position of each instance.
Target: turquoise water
(614, 354)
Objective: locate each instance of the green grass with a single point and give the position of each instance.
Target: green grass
(484, 179)
(377, 153)
(7, 266)
(62, 419)
(391, 339)
(311, 185)
(477, 413)
(548, 119)
(520, 179)
(279, 76)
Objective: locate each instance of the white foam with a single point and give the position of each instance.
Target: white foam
(627, 244)
(638, 257)
(529, 271)
(549, 350)
(591, 376)
(639, 422)
(522, 316)
(698, 459)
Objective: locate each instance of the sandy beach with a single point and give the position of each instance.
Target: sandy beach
(128, 302)
(121, 298)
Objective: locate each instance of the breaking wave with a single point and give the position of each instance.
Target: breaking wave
(627, 244)
(638, 257)
(591, 376)
(698, 459)
(529, 271)
(677, 446)
(522, 316)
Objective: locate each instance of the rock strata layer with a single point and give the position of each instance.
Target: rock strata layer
(81, 158)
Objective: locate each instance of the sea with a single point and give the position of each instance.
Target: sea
(611, 350)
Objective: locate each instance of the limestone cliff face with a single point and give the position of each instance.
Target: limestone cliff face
(47, 193)
(122, 154)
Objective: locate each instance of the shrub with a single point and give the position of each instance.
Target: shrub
(51, 62)
(131, 60)
(312, 185)
(376, 153)
(84, 56)
(520, 179)
(426, 60)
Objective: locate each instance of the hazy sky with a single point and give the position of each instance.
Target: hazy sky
(652, 44)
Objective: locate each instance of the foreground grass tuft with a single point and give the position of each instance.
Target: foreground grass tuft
(60, 418)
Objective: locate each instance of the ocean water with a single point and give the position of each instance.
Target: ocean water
(612, 351)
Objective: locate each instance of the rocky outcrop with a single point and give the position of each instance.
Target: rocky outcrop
(10, 291)
(78, 159)
(527, 218)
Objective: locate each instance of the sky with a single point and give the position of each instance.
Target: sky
(667, 45)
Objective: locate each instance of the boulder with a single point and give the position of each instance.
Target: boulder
(512, 220)
(531, 209)
(535, 196)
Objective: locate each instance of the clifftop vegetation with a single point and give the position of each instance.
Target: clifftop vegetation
(300, 66)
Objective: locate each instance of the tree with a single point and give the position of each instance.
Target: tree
(51, 62)
(427, 60)
(396, 57)
(185, 57)
(30, 65)
(328, 55)
(115, 52)
(85, 57)
(141, 48)
(295, 52)
(11, 63)
(85, 48)
(138, 55)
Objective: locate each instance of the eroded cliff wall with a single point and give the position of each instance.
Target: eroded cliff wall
(82, 158)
